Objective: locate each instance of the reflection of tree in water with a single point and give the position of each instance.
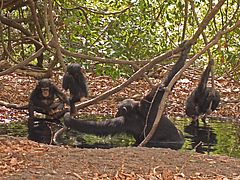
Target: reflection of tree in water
(201, 133)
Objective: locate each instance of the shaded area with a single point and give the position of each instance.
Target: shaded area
(202, 134)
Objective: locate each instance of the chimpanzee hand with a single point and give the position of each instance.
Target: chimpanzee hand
(51, 112)
(211, 96)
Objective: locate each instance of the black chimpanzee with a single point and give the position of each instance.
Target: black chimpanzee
(75, 81)
(42, 99)
(200, 99)
(137, 117)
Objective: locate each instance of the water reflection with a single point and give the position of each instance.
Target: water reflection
(218, 136)
(202, 134)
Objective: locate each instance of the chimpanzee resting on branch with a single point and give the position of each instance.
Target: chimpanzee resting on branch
(75, 81)
(200, 99)
(137, 117)
(42, 100)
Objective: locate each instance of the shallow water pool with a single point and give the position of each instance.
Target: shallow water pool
(218, 136)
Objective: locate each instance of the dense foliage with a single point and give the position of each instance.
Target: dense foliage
(130, 30)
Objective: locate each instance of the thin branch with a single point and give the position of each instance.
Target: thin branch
(96, 12)
(159, 13)
(185, 19)
(100, 36)
(15, 106)
(4, 47)
(46, 20)
(102, 60)
(229, 75)
(112, 22)
(136, 67)
(206, 20)
(55, 37)
(36, 22)
(203, 34)
(23, 63)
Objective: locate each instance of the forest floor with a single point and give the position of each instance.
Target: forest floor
(24, 159)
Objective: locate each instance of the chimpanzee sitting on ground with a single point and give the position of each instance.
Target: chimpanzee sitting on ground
(43, 100)
(200, 99)
(137, 118)
(75, 81)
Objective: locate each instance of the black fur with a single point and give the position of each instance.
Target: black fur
(199, 100)
(75, 81)
(39, 103)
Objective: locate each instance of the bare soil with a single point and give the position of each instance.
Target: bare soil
(24, 159)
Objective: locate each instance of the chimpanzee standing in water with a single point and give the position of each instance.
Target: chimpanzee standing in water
(200, 99)
(75, 81)
(42, 99)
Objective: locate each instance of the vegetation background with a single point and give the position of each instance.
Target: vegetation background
(133, 42)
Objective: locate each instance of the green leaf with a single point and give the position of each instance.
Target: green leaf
(192, 151)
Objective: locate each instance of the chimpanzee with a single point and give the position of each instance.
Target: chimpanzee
(75, 81)
(42, 99)
(169, 133)
(200, 99)
(131, 120)
(137, 117)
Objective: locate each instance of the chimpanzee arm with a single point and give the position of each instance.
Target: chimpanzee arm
(108, 127)
(63, 97)
(179, 64)
(204, 78)
(81, 84)
(67, 80)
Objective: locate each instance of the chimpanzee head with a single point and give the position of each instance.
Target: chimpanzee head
(126, 107)
(45, 86)
(192, 109)
(74, 68)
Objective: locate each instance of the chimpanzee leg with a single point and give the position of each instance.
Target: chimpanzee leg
(30, 124)
(73, 109)
(58, 107)
(72, 101)
(33, 108)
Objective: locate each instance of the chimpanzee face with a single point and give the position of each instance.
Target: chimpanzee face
(45, 86)
(126, 107)
(45, 91)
